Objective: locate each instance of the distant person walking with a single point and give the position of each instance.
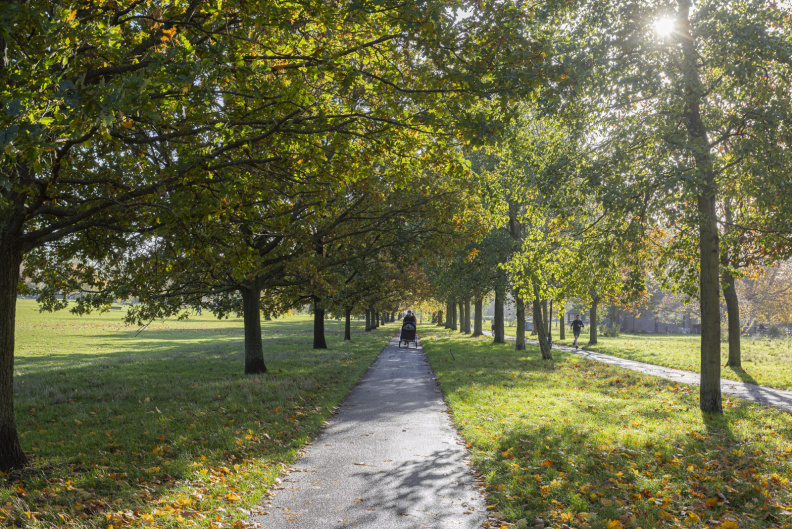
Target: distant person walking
(576, 325)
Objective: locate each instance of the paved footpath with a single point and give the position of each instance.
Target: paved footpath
(777, 398)
(389, 458)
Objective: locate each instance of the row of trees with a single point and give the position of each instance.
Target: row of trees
(203, 153)
(657, 154)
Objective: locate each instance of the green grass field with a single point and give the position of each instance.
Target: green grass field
(581, 444)
(163, 429)
(767, 362)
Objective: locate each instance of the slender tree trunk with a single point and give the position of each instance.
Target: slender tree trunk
(550, 323)
(467, 316)
(544, 313)
(561, 322)
(453, 316)
(319, 334)
(478, 317)
(733, 311)
(11, 454)
(593, 317)
(440, 321)
(348, 323)
(461, 307)
(519, 305)
(251, 311)
(499, 333)
(368, 320)
(732, 303)
(539, 326)
(448, 316)
(709, 281)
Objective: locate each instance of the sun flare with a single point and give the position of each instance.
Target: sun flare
(664, 26)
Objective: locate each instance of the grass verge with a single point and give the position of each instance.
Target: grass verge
(767, 362)
(581, 444)
(164, 429)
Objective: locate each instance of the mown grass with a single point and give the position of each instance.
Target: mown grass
(163, 429)
(765, 361)
(586, 444)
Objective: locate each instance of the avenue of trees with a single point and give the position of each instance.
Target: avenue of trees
(356, 156)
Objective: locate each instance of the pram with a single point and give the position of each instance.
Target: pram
(408, 334)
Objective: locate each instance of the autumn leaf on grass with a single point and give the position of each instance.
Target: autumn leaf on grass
(233, 497)
(729, 524)
(613, 524)
(548, 463)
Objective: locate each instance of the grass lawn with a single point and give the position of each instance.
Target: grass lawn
(767, 362)
(163, 429)
(589, 445)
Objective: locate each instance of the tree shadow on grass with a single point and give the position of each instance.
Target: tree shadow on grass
(127, 424)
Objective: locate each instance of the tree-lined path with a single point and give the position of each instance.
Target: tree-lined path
(764, 395)
(389, 458)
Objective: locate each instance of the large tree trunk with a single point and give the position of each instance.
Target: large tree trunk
(11, 454)
(448, 315)
(453, 316)
(478, 317)
(348, 323)
(539, 326)
(440, 321)
(519, 304)
(498, 333)
(461, 307)
(251, 311)
(368, 320)
(593, 317)
(709, 281)
(319, 334)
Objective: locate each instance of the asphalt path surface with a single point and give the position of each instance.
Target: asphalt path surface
(764, 395)
(390, 458)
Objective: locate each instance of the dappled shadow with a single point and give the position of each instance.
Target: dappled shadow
(147, 412)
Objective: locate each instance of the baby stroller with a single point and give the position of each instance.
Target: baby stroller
(408, 335)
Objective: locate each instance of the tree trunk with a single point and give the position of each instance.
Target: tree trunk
(348, 323)
(11, 454)
(550, 323)
(539, 326)
(709, 282)
(732, 303)
(368, 320)
(561, 322)
(453, 316)
(498, 333)
(251, 311)
(593, 317)
(733, 311)
(466, 319)
(447, 323)
(519, 304)
(319, 334)
(461, 307)
(440, 321)
(478, 317)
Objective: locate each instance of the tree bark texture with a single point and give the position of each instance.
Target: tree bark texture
(498, 333)
(11, 454)
(368, 320)
(251, 311)
(709, 281)
(348, 323)
(453, 316)
(461, 307)
(319, 334)
(448, 315)
(519, 304)
(440, 321)
(478, 317)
